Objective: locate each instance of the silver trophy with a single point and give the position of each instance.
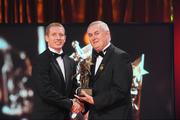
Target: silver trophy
(83, 70)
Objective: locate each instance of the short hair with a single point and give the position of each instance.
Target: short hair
(101, 24)
(54, 24)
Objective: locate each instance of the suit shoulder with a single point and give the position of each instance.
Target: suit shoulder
(44, 56)
(121, 54)
(70, 59)
(119, 51)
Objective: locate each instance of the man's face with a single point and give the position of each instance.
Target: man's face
(98, 37)
(56, 38)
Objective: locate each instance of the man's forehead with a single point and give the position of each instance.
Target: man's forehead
(94, 28)
(56, 28)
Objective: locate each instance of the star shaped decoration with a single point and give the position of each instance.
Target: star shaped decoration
(138, 68)
(138, 72)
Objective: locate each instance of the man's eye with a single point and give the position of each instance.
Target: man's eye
(97, 33)
(61, 35)
(90, 35)
(53, 34)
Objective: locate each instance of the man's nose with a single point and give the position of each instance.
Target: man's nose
(58, 37)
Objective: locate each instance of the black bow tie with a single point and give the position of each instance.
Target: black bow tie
(58, 55)
(96, 54)
(102, 53)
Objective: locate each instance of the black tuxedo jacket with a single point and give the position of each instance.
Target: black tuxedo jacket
(111, 86)
(51, 92)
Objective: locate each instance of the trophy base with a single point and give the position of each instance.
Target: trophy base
(87, 90)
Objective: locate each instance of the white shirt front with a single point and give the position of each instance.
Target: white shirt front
(98, 62)
(99, 59)
(60, 61)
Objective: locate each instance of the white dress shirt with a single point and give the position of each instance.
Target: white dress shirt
(100, 58)
(59, 60)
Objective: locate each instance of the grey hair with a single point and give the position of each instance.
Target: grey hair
(54, 24)
(101, 24)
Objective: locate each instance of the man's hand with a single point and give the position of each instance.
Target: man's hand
(85, 97)
(77, 106)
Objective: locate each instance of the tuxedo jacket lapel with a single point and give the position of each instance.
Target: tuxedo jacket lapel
(104, 63)
(57, 67)
(55, 64)
(67, 69)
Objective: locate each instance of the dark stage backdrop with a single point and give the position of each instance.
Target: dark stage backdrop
(19, 44)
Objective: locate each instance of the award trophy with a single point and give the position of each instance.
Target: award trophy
(83, 69)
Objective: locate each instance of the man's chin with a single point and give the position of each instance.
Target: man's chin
(97, 49)
(59, 47)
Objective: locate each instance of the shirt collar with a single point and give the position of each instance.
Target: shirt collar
(54, 51)
(106, 47)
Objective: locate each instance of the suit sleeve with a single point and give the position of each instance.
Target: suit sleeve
(121, 83)
(44, 87)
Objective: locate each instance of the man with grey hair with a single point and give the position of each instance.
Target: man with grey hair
(111, 77)
(52, 79)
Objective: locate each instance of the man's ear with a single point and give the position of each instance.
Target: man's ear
(65, 39)
(46, 38)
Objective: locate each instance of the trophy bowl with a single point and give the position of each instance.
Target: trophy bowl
(87, 90)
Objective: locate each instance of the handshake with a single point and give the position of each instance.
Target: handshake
(77, 107)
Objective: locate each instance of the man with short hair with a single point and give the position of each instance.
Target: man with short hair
(52, 79)
(111, 77)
